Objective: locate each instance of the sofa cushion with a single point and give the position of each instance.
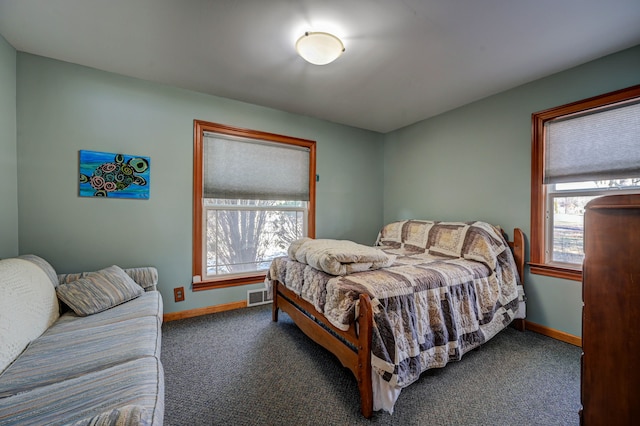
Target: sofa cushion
(148, 304)
(28, 306)
(129, 415)
(61, 356)
(99, 291)
(138, 382)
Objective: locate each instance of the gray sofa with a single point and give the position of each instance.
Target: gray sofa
(81, 349)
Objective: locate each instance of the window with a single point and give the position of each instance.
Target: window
(580, 151)
(254, 193)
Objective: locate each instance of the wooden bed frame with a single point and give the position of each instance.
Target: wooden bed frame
(353, 348)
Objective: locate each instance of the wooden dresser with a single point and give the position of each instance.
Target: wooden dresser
(610, 383)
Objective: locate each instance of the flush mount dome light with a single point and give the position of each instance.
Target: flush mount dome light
(319, 48)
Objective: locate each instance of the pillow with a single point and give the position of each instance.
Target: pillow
(415, 234)
(447, 238)
(409, 234)
(99, 291)
(391, 235)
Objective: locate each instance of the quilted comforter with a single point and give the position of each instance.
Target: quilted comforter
(452, 287)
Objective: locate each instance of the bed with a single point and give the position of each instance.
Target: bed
(430, 292)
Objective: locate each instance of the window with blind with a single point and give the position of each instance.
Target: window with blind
(254, 193)
(580, 151)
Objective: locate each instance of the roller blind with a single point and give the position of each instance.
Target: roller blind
(601, 145)
(251, 169)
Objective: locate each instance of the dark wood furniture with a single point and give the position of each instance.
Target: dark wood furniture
(351, 347)
(610, 382)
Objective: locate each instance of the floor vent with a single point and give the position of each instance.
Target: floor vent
(258, 297)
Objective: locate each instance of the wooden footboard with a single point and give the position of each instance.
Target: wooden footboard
(353, 347)
(517, 246)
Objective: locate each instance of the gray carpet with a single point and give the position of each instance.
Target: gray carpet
(239, 368)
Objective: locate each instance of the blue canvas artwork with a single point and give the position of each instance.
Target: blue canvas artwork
(103, 174)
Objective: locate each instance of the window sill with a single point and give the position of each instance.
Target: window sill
(228, 282)
(556, 271)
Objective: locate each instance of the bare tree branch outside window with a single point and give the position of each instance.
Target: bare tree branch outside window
(245, 235)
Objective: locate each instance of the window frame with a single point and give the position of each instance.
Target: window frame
(198, 249)
(538, 264)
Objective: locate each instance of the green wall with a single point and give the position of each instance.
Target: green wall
(63, 108)
(8, 152)
(467, 164)
(474, 163)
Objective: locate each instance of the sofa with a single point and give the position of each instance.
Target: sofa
(79, 349)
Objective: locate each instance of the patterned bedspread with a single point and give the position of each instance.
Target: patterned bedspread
(452, 287)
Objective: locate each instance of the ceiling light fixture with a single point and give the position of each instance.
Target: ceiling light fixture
(319, 48)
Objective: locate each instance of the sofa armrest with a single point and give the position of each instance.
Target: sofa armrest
(146, 277)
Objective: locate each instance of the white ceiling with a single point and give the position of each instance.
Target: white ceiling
(405, 60)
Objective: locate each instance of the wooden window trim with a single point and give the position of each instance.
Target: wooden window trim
(538, 189)
(199, 127)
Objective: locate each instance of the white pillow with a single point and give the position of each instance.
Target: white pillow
(28, 306)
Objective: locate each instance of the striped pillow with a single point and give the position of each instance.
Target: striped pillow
(99, 291)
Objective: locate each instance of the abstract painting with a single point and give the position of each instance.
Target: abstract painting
(103, 174)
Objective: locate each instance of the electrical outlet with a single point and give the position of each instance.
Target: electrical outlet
(178, 294)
